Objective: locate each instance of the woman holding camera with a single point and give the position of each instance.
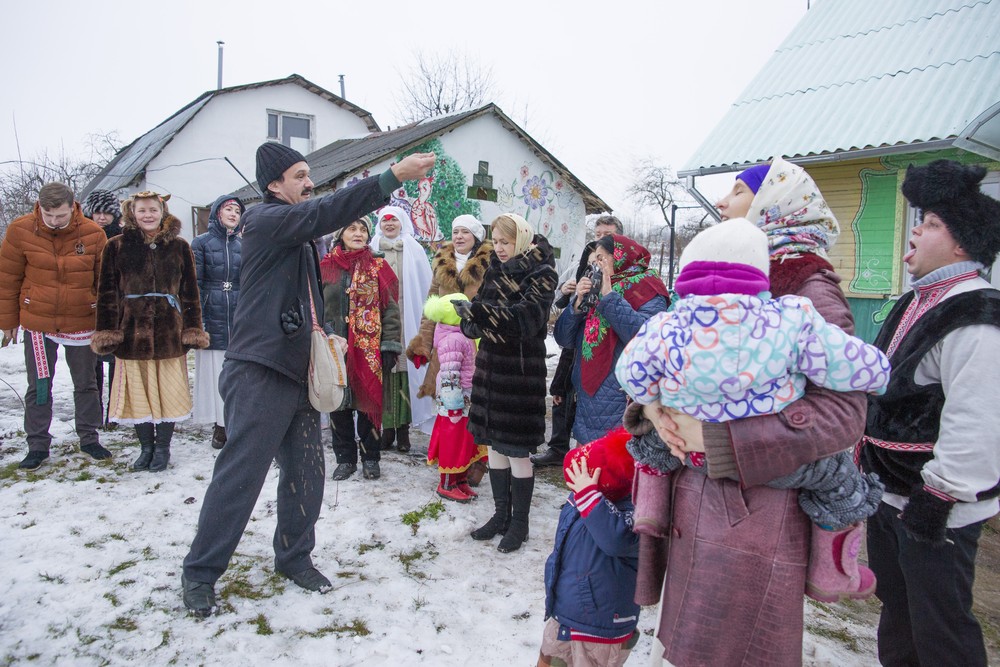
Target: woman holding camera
(616, 295)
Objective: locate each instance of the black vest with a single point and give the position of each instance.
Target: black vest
(909, 412)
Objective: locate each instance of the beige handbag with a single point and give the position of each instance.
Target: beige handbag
(327, 369)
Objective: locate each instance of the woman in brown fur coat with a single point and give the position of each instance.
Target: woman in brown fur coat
(149, 316)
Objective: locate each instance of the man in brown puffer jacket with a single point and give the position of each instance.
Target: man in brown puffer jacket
(49, 266)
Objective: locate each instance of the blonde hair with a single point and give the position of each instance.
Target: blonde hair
(128, 217)
(514, 227)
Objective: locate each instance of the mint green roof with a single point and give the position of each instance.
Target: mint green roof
(864, 75)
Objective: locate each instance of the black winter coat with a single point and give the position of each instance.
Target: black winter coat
(280, 269)
(217, 262)
(511, 314)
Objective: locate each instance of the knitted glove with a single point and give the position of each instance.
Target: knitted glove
(926, 517)
(291, 320)
(419, 360)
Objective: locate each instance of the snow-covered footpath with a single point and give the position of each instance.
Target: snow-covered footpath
(91, 555)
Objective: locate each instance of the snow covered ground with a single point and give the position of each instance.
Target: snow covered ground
(91, 556)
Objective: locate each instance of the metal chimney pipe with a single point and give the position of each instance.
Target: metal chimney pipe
(219, 84)
(341, 76)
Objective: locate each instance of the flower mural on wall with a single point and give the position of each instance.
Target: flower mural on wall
(536, 192)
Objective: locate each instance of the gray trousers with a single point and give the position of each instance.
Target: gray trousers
(86, 397)
(268, 417)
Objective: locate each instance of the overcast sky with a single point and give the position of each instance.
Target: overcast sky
(601, 84)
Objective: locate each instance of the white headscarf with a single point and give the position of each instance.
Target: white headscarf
(790, 209)
(415, 282)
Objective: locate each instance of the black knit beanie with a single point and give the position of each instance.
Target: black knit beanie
(272, 161)
(950, 190)
(102, 201)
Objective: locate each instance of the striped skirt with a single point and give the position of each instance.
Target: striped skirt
(150, 391)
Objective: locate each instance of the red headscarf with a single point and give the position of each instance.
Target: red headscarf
(373, 287)
(637, 283)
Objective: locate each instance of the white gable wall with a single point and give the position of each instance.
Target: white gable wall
(233, 125)
(512, 164)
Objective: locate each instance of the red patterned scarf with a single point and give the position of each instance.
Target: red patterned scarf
(637, 283)
(373, 287)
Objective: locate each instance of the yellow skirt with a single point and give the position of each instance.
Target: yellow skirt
(150, 391)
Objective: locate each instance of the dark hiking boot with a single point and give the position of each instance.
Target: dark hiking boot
(33, 461)
(96, 452)
(199, 597)
(371, 469)
(343, 471)
(161, 452)
(311, 580)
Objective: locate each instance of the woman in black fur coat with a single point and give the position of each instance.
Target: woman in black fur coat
(149, 316)
(510, 317)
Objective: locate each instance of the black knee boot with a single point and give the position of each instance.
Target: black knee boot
(403, 438)
(161, 453)
(386, 439)
(144, 432)
(521, 490)
(497, 525)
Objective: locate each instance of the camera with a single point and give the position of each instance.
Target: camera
(596, 276)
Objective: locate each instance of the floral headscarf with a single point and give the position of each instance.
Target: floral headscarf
(637, 283)
(789, 208)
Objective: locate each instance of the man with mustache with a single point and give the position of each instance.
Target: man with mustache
(264, 379)
(932, 437)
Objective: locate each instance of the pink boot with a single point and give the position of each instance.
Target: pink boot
(834, 572)
(651, 497)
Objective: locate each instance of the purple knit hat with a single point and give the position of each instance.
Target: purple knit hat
(754, 176)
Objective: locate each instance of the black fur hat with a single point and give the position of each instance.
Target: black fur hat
(951, 190)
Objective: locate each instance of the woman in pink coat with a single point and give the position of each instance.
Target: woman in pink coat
(735, 560)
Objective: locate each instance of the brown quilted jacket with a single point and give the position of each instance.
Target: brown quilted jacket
(48, 277)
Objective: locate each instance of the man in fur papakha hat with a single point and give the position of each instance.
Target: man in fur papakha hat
(267, 364)
(932, 437)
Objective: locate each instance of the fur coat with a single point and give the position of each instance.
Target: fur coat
(447, 279)
(148, 327)
(510, 315)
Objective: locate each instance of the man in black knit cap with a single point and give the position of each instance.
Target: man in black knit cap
(933, 436)
(264, 379)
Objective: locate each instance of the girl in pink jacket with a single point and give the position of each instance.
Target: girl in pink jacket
(452, 446)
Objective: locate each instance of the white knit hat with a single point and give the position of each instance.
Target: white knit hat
(471, 223)
(736, 241)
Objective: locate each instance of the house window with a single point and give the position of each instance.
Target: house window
(293, 130)
(990, 186)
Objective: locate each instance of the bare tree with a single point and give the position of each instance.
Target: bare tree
(20, 180)
(438, 84)
(657, 187)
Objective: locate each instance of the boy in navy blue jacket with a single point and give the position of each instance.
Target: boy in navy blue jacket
(590, 576)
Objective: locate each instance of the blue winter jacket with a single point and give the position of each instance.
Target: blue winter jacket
(598, 414)
(590, 575)
(217, 263)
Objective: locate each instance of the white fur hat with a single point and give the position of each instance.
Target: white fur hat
(470, 223)
(736, 241)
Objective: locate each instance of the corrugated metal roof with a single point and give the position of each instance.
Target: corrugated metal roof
(130, 163)
(857, 74)
(332, 163)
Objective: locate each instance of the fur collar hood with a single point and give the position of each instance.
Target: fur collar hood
(445, 267)
(170, 229)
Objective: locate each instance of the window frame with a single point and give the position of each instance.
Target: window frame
(281, 115)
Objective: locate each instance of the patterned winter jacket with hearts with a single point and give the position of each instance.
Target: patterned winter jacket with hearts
(730, 356)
